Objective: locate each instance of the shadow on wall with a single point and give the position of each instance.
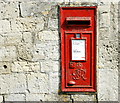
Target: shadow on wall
(119, 48)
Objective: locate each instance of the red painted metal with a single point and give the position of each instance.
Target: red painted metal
(78, 75)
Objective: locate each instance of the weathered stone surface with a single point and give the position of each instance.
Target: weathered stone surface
(23, 66)
(1, 40)
(48, 97)
(28, 37)
(12, 38)
(35, 97)
(5, 67)
(15, 97)
(56, 97)
(1, 99)
(39, 52)
(54, 82)
(49, 66)
(27, 24)
(104, 20)
(8, 53)
(53, 24)
(5, 26)
(104, 34)
(25, 51)
(46, 50)
(9, 10)
(47, 35)
(95, 1)
(104, 9)
(38, 83)
(83, 97)
(35, 9)
(52, 51)
(107, 84)
(12, 83)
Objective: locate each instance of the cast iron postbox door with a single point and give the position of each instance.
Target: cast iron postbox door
(78, 48)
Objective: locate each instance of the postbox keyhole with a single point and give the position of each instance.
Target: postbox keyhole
(77, 35)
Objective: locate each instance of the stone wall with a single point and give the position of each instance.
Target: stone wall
(30, 51)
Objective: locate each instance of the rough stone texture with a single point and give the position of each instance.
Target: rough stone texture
(35, 97)
(38, 83)
(30, 51)
(15, 97)
(48, 97)
(12, 83)
(83, 97)
(8, 53)
(4, 26)
(54, 82)
(5, 67)
(27, 24)
(49, 66)
(9, 10)
(1, 99)
(24, 66)
(12, 38)
(107, 80)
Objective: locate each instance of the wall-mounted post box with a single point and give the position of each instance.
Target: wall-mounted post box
(78, 49)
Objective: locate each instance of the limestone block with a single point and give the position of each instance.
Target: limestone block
(83, 97)
(1, 99)
(25, 51)
(47, 97)
(56, 97)
(53, 24)
(95, 1)
(107, 85)
(47, 35)
(23, 66)
(12, 83)
(9, 10)
(38, 52)
(58, 1)
(38, 83)
(8, 53)
(104, 9)
(12, 38)
(108, 1)
(54, 82)
(35, 9)
(52, 52)
(27, 24)
(46, 50)
(108, 54)
(15, 97)
(67, 1)
(4, 26)
(114, 14)
(49, 65)
(104, 20)
(2, 39)
(104, 34)
(53, 12)
(5, 67)
(27, 37)
(35, 97)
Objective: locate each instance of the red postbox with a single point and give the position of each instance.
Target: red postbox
(78, 49)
